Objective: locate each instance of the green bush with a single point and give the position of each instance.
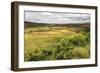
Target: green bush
(63, 48)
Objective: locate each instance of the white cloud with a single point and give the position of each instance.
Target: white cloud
(56, 17)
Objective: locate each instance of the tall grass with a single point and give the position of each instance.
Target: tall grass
(66, 47)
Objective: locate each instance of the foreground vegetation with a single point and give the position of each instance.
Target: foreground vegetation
(57, 42)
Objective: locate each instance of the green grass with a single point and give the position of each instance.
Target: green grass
(57, 42)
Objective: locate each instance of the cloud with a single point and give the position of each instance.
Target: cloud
(56, 17)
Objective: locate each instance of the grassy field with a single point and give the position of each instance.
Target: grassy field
(56, 42)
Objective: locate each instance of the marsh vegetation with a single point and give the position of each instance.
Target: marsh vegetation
(56, 41)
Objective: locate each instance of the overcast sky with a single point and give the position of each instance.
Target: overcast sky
(56, 17)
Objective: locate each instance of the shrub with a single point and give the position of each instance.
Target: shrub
(63, 48)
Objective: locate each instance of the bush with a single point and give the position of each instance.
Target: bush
(63, 48)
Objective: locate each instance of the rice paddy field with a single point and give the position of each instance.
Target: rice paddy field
(56, 42)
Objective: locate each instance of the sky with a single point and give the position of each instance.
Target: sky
(56, 17)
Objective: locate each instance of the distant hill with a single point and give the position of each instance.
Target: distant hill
(33, 24)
